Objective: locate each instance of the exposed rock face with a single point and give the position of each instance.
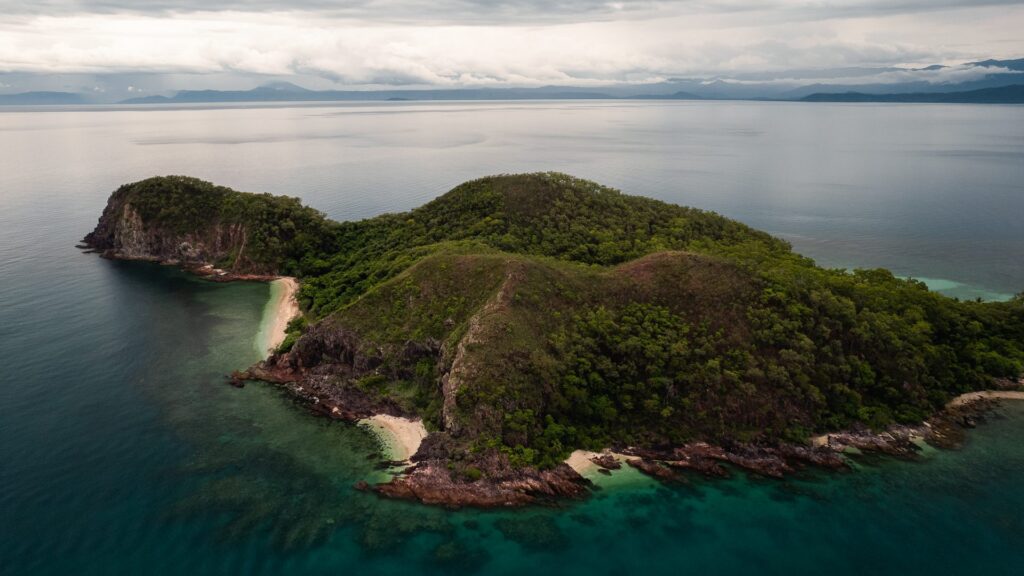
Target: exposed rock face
(896, 441)
(707, 459)
(328, 355)
(122, 233)
(324, 393)
(652, 468)
(326, 347)
(433, 483)
(945, 430)
(316, 371)
(461, 368)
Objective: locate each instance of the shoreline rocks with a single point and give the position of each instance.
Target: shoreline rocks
(433, 480)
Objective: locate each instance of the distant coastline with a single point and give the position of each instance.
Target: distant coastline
(1009, 94)
(999, 83)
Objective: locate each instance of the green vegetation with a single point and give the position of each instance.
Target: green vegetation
(537, 214)
(569, 315)
(277, 232)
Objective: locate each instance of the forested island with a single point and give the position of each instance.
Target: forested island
(524, 317)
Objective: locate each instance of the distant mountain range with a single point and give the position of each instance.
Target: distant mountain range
(1002, 95)
(43, 98)
(285, 92)
(288, 92)
(1001, 85)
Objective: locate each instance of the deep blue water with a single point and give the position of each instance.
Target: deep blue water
(122, 451)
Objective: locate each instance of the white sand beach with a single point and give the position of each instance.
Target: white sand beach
(280, 310)
(986, 394)
(580, 461)
(401, 436)
(823, 439)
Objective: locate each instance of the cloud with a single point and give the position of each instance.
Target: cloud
(281, 45)
(502, 43)
(442, 12)
(439, 12)
(946, 75)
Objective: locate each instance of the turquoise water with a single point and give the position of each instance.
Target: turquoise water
(123, 451)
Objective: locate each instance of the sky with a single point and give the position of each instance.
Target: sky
(157, 45)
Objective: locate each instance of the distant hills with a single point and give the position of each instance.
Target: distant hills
(986, 81)
(42, 98)
(287, 92)
(1017, 64)
(1003, 95)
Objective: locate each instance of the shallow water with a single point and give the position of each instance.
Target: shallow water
(122, 451)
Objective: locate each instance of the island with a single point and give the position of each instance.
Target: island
(521, 328)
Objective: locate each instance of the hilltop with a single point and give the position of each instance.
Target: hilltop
(526, 316)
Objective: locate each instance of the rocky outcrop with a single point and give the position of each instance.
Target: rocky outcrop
(653, 468)
(709, 460)
(432, 482)
(122, 233)
(324, 394)
(895, 441)
(334, 349)
(607, 461)
(316, 371)
(327, 357)
(461, 367)
(944, 430)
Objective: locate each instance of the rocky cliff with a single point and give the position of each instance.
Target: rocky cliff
(186, 221)
(123, 233)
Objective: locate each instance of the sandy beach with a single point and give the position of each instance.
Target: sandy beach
(401, 436)
(580, 461)
(285, 307)
(823, 439)
(987, 394)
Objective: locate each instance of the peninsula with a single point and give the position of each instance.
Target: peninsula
(523, 318)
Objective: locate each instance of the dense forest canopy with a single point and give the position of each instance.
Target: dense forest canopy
(576, 316)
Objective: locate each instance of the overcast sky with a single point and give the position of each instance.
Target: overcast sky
(362, 43)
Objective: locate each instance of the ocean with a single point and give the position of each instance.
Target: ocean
(123, 451)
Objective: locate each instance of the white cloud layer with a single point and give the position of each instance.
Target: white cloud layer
(510, 42)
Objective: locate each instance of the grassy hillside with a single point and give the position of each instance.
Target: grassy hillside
(537, 214)
(526, 316)
(671, 347)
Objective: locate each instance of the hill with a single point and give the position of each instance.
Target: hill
(43, 99)
(523, 317)
(286, 92)
(1002, 95)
